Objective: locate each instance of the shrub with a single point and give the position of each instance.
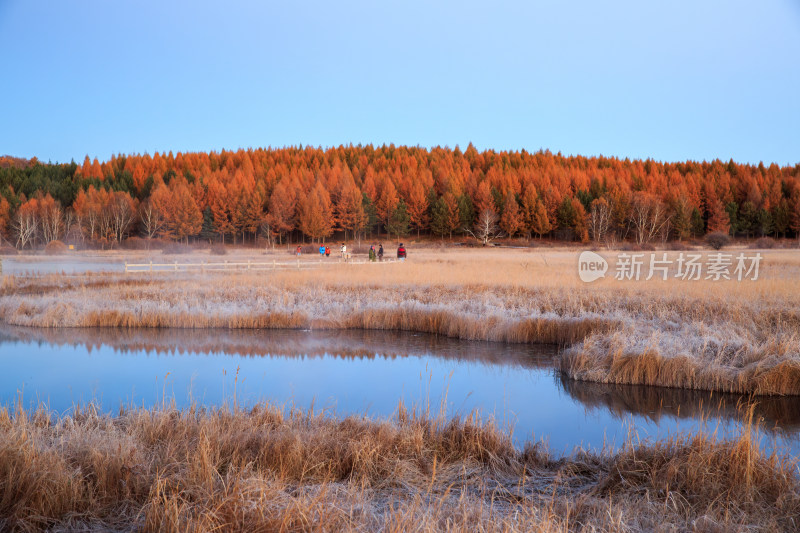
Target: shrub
(717, 240)
(764, 243)
(677, 246)
(135, 243)
(635, 247)
(176, 248)
(218, 249)
(55, 248)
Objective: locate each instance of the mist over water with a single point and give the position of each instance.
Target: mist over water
(365, 372)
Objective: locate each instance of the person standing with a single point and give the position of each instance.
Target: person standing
(372, 253)
(380, 252)
(344, 251)
(321, 250)
(299, 250)
(327, 251)
(401, 252)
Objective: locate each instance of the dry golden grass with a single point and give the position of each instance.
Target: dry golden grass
(269, 470)
(729, 336)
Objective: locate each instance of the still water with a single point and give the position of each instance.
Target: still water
(364, 372)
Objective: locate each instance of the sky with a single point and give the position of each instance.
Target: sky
(671, 80)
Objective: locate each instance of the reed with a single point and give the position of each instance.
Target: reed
(271, 469)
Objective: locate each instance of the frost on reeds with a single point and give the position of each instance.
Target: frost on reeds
(726, 336)
(269, 469)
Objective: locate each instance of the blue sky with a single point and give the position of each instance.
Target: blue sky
(672, 80)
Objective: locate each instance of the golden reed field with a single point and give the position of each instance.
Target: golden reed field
(733, 336)
(265, 469)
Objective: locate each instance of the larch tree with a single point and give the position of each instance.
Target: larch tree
(316, 218)
(161, 202)
(793, 206)
(221, 208)
(417, 207)
(282, 208)
(185, 219)
(483, 198)
(387, 202)
(349, 209)
(529, 200)
(453, 212)
(718, 218)
(511, 221)
(5, 218)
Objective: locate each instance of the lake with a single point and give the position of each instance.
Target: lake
(365, 372)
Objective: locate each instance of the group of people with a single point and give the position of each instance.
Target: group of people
(377, 255)
(374, 255)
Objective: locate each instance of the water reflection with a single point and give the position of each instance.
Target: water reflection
(773, 413)
(366, 372)
(344, 344)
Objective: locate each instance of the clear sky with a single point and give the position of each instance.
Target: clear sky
(667, 79)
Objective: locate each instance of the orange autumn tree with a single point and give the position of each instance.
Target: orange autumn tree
(443, 191)
(282, 209)
(349, 209)
(185, 219)
(178, 209)
(387, 201)
(512, 220)
(5, 218)
(417, 207)
(316, 216)
(88, 209)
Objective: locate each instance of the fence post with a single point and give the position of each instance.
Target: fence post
(248, 264)
(226, 265)
(176, 265)
(151, 265)
(126, 267)
(298, 264)
(203, 267)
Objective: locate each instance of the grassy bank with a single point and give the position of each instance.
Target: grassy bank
(712, 335)
(266, 470)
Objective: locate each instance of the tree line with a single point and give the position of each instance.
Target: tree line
(305, 193)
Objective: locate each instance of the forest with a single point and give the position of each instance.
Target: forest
(301, 194)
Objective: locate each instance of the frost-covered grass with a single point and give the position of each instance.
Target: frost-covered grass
(264, 469)
(726, 335)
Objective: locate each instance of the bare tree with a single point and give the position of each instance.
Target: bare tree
(122, 210)
(648, 216)
(486, 228)
(25, 225)
(600, 219)
(51, 219)
(151, 219)
(71, 225)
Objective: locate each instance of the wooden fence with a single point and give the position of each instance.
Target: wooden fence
(242, 266)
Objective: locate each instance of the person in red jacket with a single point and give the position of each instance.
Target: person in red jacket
(401, 252)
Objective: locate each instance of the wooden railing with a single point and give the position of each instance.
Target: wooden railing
(242, 266)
